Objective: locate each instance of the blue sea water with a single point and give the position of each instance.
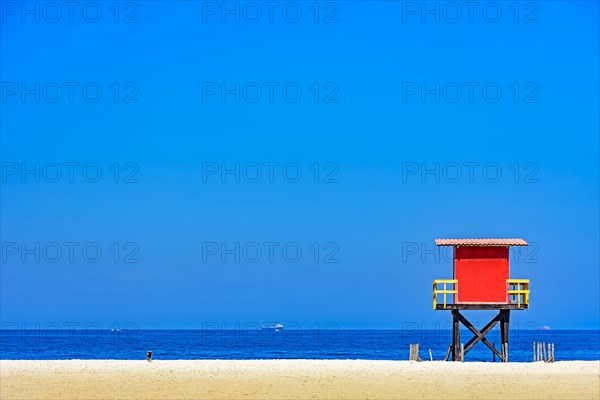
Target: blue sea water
(286, 344)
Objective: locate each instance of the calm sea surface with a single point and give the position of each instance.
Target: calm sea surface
(289, 343)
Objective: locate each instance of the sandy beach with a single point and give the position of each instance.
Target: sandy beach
(286, 379)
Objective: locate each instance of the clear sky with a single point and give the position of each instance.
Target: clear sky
(295, 165)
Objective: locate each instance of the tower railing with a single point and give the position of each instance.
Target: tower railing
(518, 291)
(444, 290)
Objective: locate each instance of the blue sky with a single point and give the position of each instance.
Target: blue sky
(361, 99)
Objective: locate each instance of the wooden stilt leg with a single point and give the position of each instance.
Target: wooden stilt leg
(504, 325)
(455, 335)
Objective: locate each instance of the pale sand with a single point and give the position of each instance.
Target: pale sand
(306, 379)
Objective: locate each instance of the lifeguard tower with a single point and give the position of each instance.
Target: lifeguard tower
(481, 281)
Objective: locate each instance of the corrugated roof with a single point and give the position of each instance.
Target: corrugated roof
(480, 242)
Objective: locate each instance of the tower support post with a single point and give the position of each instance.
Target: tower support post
(455, 335)
(504, 326)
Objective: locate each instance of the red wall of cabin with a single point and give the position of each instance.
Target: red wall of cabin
(481, 273)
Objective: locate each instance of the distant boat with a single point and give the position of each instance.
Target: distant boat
(276, 327)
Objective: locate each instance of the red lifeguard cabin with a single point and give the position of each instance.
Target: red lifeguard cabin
(481, 281)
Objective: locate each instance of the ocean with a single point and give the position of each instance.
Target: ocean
(285, 344)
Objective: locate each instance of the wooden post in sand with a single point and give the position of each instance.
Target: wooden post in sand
(544, 351)
(448, 353)
(414, 353)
